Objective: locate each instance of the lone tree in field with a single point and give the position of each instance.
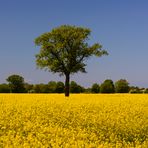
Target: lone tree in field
(65, 50)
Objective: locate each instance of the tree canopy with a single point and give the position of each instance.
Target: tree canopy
(122, 86)
(107, 86)
(95, 88)
(16, 83)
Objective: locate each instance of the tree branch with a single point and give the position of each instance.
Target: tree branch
(61, 62)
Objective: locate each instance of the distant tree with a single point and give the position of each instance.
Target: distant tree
(16, 83)
(88, 90)
(95, 88)
(107, 87)
(65, 50)
(28, 88)
(36, 88)
(82, 89)
(41, 88)
(44, 88)
(59, 87)
(52, 86)
(122, 86)
(4, 88)
(74, 87)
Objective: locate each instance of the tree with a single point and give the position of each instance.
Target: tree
(95, 88)
(52, 86)
(59, 87)
(88, 90)
(37, 88)
(81, 88)
(122, 86)
(16, 83)
(28, 88)
(65, 49)
(74, 87)
(4, 88)
(41, 88)
(107, 87)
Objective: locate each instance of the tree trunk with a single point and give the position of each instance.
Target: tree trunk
(67, 85)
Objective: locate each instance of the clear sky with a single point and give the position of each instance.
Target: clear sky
(121, 26)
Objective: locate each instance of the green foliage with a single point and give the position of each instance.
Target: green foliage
(122, 86)
(41, 88)
(75, 88)
(4, 88)
(52, 86)
(16, 83)
(65, 49)
(88, 90)
(95, 88)
(29, 88)
(59, 87)
(107, 87)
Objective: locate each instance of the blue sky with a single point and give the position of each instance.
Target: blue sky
(121, 26)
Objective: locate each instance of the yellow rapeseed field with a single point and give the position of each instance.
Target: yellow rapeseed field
(80, 121)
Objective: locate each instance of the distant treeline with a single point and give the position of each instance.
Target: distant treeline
(16, 84)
